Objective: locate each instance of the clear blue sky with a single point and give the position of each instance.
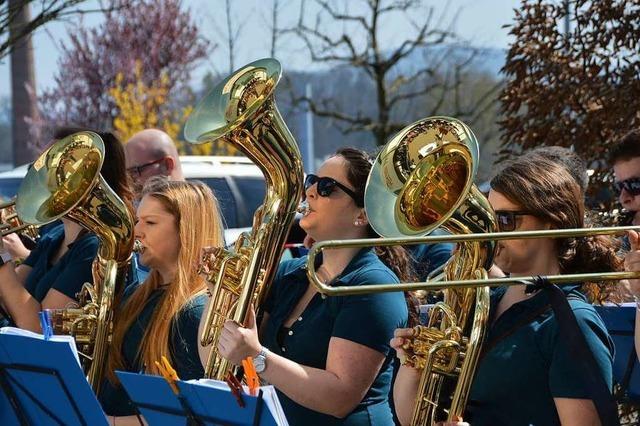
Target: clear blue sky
(479, 21)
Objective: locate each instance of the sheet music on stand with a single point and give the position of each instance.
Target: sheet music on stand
(41, 382)
(200, 402)
(269, 396)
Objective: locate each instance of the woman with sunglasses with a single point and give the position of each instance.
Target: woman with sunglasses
(329, 358)
(526, 374)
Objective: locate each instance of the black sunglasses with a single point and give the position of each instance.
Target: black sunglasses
(631, 185)
(507, 219)
(327, 185)
(138, 170)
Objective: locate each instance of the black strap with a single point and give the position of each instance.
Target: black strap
(621, 393)
(570, 333)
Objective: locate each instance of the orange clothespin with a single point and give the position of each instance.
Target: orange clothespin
(236, 388)
(251, 376)
(169, 373)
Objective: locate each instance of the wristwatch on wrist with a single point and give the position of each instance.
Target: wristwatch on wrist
(260, 360)
(5, 257)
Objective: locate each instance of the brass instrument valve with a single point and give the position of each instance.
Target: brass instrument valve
(430, 345)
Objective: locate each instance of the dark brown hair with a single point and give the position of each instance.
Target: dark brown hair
(395, 257)
(626, 147)
(572, 162)
(550, 192)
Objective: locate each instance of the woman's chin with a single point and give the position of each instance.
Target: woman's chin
(504, 266)
(304, 221)
(145, 260)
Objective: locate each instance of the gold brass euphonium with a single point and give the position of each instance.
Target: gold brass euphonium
(65, 181)
(241, 111)
(423, 179)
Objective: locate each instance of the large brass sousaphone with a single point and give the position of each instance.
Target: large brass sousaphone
(65, 182)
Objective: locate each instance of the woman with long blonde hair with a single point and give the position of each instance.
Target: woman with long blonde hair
(175, 221)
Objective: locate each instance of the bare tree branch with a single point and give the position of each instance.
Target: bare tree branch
(51, 10)
(394, 87)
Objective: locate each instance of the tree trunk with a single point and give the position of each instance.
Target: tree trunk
(22, 76)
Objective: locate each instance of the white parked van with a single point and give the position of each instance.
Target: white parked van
(236, 181)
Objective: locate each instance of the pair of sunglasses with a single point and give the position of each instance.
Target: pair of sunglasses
(631, 185)
(507, 219)
(327, 185)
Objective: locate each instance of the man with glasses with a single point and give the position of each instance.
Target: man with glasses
(625, 160)
(152, 152)
(624, 157)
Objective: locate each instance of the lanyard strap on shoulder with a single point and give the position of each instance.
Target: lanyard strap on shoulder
(571, 334)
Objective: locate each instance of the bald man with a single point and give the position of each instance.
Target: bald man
(151, 152)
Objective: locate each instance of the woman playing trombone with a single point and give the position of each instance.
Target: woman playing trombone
(526, 374)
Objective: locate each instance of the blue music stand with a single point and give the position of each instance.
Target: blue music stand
(196, 404)
(42, 383)
(620, 322)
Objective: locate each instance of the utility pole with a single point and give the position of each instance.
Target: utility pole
(308, 154)
(22, 76)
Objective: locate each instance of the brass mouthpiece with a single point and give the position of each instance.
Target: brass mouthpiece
(303, 208)
(138, 247)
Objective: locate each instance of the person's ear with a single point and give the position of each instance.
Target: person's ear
(169, 164)
(361, 219)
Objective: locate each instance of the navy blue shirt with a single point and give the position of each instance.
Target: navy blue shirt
(69, 273)
(368, 319)
(519, 376)
(183, 346)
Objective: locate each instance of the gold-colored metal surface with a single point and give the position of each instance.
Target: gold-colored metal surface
(11, 223)
(491, 282)
(422, 180)
(65, 181)
(241, 111)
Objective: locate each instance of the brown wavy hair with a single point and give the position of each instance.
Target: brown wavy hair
(397, 258)
(549, 191)
(199, 223)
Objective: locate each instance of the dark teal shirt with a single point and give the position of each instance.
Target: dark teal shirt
(184, 350)
(518, 378)
(69, 273)
(368, 319)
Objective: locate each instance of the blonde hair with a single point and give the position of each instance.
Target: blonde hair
(199, 223)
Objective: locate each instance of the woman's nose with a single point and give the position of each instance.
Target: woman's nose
(311, 191)
(137, 230)
(624, 196)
